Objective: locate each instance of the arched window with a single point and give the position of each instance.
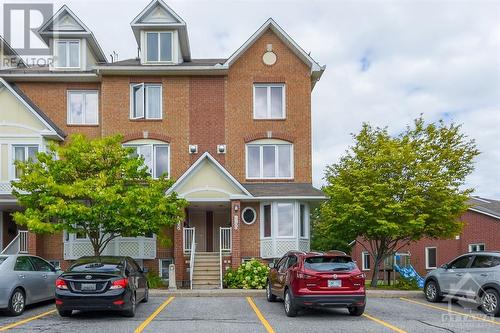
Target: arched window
(269, 159)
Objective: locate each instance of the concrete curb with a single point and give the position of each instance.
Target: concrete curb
(262, 293)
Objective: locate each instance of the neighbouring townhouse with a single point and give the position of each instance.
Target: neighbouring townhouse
(234, 133)
(480, 233)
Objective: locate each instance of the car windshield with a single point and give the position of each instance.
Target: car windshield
(328, 264)
(97, 265)
(2, 259)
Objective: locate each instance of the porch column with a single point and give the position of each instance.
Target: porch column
(236, 240)
(180, 262)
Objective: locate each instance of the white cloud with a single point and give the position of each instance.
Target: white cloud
(439, 58)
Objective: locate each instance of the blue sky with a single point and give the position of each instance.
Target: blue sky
(387, 62)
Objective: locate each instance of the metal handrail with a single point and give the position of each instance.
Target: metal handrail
(191, 259)
(186, 239)
(224, 245)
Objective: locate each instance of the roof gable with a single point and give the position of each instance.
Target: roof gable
(66, 24)
(285, 38)
(35, 120)
(208, 179)
(157, 12)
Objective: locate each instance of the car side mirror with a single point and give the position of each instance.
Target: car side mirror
(271, 265)
(444, 266)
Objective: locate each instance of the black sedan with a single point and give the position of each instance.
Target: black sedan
(101, 283)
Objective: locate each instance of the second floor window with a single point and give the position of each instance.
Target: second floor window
(23, 153)
(268, 161)
(145, 101)
(269, 101)
(156, 157)
(67, 54)
(82, 107)
(159, 46)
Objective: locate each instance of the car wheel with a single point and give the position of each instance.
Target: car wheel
(269, 294)
(131, 311)
(490, 302)
(356, 310)
(290, 308)
(432, 292)
(146, 296)
(65, 313)
(17, 302)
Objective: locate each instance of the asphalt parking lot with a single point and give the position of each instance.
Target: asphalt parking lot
(255, 314)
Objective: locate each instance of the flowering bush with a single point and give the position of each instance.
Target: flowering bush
(250, 275)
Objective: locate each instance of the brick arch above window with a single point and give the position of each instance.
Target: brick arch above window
(146, 135)
(269, 135)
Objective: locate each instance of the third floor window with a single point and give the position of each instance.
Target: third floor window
(269, 101)
(67, 54)
(159, 46)
(145, 101)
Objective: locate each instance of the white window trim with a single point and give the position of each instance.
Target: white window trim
(254, 217)
(477, 244)
(153, 157)
(159, 265)
(11, 155)
(275, 220)
(262, 216)
(306, 222)
(427, 257)
(67, 41)
(132, 104)
(276, 155)
(84, 92)
(159, 48)
(268, 111)
(363, 260)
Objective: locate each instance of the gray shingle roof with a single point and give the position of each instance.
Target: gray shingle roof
(28, 101)
(283, 190)
(193, 62)
(487, 206)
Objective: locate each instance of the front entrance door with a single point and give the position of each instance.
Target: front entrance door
(210, 231)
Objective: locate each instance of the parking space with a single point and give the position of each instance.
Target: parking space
(239, 314)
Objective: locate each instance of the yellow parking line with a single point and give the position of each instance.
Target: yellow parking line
(27, 320)
(449, 310)
(262, 319)
(153, 315)
(386, 324)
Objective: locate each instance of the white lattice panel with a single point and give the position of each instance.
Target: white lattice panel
(283, 246)
(138, 248)
(266, 249)
(149, 249)
(128, 248)
(304, 245)
(5, 187)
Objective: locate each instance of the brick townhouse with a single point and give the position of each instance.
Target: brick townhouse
(481, 232)
(234, 133)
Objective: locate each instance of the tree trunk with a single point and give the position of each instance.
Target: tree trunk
(376, 270)
(96, 247)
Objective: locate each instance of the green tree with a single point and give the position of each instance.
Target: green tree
(393, 190)
(96, 188)
(322, 239)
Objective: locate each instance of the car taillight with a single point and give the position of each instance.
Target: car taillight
(119, 284)
(360, 276)
(61, 284)
(304, 276)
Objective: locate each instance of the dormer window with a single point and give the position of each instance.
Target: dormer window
(67, 54)
(159, 46)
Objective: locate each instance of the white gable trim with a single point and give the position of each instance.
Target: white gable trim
(271, 24)
(161, 3)
(207, 155)
(51, 132)
(64, 9)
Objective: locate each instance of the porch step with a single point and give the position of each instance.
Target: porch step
(206, 274)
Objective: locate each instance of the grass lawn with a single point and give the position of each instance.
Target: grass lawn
(399, 285)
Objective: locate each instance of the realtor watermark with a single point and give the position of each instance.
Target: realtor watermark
(21, 24)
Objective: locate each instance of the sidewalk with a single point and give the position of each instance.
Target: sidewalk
(262, 293)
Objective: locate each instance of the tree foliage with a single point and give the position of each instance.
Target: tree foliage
(392, 190)
(96, 188)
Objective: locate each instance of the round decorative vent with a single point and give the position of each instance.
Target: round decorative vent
(269, 58)
(248, 215)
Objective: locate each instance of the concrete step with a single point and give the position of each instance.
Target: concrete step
(202, 270)
(206, 283)
(206, 280)
(207, 254)
(203, 287)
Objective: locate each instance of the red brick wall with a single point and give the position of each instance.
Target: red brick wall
(250, 234)
(479, 228)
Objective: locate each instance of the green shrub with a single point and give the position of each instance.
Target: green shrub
(250, 275)
(154, 280)
(407, 284)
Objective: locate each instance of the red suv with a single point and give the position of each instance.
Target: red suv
(308, 279)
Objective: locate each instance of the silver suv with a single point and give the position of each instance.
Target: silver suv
(474, 276)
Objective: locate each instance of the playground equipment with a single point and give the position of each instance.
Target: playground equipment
(407, 271)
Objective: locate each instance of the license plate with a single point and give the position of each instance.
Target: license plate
(334, 283)
(88, 286)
